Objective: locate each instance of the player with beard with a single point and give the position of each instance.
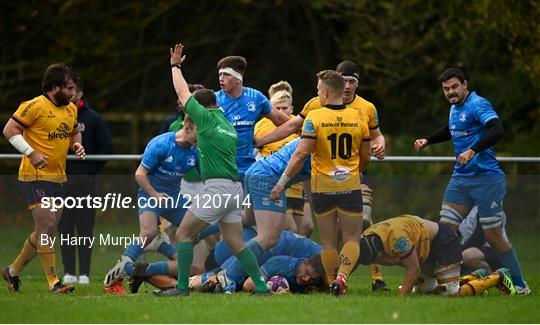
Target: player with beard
(43, 129)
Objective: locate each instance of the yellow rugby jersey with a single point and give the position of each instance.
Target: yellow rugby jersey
(367, 110)
(48, 130)
(338, 131)
(265, 126)
(402, 234)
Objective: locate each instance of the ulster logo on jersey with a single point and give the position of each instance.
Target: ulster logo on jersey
(251, 106)
(463, 116)
(308, 127)
(191, 161)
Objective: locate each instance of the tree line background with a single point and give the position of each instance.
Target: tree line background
(120, 49)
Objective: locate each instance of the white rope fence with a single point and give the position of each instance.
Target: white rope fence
(389, 159)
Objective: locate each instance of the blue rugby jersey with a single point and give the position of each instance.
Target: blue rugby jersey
(243, 112)
(467, 125)
(284, 266)
(167, 162)
(295, 245)
(276, 163)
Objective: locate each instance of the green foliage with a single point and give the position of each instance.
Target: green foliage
(121, 50)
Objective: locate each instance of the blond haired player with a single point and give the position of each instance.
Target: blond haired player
(298, 218)
(43, 129)
(431, 255)
(339, 139)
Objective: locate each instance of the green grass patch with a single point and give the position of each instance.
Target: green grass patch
(89, 304)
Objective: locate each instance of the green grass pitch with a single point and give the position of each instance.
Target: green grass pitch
(89, 304)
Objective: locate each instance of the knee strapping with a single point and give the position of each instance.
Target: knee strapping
(450, 215)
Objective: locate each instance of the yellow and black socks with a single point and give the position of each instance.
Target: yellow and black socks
(27, 254)
(47, 259)
(348, 257)
(329, 258)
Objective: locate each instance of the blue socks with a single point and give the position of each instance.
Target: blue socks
(510, 261)
(157, 268)
(132, 251)
(167, 250)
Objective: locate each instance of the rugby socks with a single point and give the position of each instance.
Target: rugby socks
(376, 273)
(510, 261)
(133, 251)
(157, 268)
(208, 231)
(249, 262)
(185, 259)
(26, 255)
(479, 286)
(167, 250)
(48, 261)
(348, 257)
(254, 246)
(329, 259)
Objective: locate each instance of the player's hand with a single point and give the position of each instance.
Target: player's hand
(378, 151)
(274, 195)
(257, 142)
(79, 150)
(420, 144)
(466, 156)
(38, 160)
(161, 198)
(176, 54)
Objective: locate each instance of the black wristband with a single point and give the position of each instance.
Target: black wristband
(176, 65)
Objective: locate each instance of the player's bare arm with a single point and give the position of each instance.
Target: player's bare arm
(277, 117)
(365, 154)
(281, 132)
(412, 266)
(76, 143)
(180, 84)
(378, 144)
(298, 158)
(141, 177)
(13, 132)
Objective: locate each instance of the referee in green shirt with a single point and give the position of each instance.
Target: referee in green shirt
(221, 198)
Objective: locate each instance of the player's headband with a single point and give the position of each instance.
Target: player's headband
(370, 245)
(232, 72)
(351, 74)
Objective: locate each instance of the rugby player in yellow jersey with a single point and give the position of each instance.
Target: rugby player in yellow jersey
(350, 72)
(298, 218)
(339, 140)
(431, 255)
(43, 129)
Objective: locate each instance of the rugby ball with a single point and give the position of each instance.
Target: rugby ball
(278, 284)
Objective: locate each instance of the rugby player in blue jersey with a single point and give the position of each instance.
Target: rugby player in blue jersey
(474, 127)
(231, 275)
(166, 159)
(243, 107)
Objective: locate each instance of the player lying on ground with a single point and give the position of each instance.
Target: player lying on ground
(430, 253)
(166, 159)
(283, 274)
(230, 271)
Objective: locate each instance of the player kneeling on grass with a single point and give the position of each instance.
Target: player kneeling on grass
(166, 159)
(431, 255)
